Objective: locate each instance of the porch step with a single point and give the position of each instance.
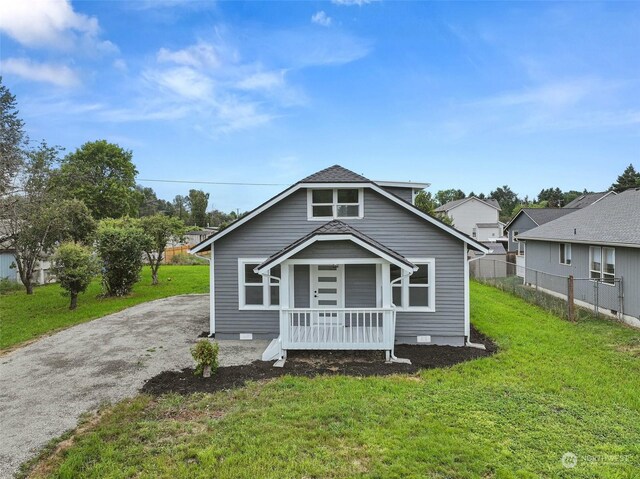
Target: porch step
(273, 351)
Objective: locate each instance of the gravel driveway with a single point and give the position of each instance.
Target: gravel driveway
(47, 385)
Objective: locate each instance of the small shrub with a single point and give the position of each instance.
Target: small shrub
(187, 259)
(75, 267)
(120, 246)
(9, 286)
(205, 354)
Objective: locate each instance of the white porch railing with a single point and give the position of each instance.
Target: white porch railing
(338, 328)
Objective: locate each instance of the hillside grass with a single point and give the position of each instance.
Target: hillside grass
(553, 387)
(26, 317)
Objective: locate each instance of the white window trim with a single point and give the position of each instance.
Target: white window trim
(334, 205)
(405, 285)
(601, 279)
(267, 282)
(567, 247)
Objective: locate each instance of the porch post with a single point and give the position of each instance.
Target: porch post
(284, 303)
(386, 285)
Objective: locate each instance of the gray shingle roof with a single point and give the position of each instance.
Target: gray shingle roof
(496, 248)
(452, 204)
(585, 200)
(544, 215)
(613, 220)
(337, 227)
(335, 174)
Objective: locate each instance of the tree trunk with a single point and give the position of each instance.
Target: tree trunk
(74, 301)
(154, 274)
(28, 286)
(206, 371)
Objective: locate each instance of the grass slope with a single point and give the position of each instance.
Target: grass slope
(24, 317)
(554, 387)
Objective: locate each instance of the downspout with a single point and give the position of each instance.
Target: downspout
(467, 279)
(392, 355)
(212, 314)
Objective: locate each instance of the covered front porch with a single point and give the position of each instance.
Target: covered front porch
(335, 293)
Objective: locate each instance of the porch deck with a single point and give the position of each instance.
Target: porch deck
(338, 328)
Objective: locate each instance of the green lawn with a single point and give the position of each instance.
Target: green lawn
(24, 317)
(554, 387)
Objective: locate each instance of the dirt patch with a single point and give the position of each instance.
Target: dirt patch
(314, 363)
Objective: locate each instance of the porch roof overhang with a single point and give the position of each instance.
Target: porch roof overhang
(337, 231)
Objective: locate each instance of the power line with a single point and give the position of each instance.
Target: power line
(212, 182)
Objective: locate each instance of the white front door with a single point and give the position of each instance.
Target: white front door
(326, 286)
(327, 292)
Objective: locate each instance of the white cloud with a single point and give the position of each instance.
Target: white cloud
(184, 82)
(349, 3)
(262, 81)
(120, 64)
(60, 75)
(201, 55)
(321, 18)
(51, 24)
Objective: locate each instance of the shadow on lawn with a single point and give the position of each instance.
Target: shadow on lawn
(314, 363)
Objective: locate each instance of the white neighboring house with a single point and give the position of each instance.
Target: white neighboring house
(475, 217)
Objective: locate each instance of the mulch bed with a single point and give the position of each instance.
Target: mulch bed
(314, 363)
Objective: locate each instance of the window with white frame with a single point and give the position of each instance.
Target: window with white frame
(331, 203)
(521, 247)
(415, 292)
(254, 290)
(565, 253)
(602, 264)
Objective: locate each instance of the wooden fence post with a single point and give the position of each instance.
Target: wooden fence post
(570, 298)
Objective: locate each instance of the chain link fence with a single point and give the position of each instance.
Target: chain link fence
(568, 297)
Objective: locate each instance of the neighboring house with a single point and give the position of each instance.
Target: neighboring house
(599, 244)
(338, 261)
(194, 237)
(475, 217)
(529, 218)
(8, 269)
(588, 199)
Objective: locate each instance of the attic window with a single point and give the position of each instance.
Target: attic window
(331, 203)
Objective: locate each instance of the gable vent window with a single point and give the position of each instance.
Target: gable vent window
(331, 203)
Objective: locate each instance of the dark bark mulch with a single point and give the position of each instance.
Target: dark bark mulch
(314, 363)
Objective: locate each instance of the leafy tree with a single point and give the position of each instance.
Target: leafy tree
(630, 178)
(198, 201)
(445, 196)
(180, 208)
(120, 245)
(31, 218)
(160, 230)
(425, 202)
(507, 200)
(553, 196)
(75, 222)
(150, 204)
(74, 267)
(102, 175)
(12, 140)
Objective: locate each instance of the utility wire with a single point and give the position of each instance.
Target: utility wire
(213, 182)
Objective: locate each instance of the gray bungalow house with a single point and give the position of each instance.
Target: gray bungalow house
(600, 246)
(338, 261)
(529, 218)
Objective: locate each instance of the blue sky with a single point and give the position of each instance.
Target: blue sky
(465, 95)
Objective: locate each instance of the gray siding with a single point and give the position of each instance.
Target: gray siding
(384, 221)
(302, 286)
(334, 249)
(521, 224)
(544, 256)
(404, 193)
(360, 286)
